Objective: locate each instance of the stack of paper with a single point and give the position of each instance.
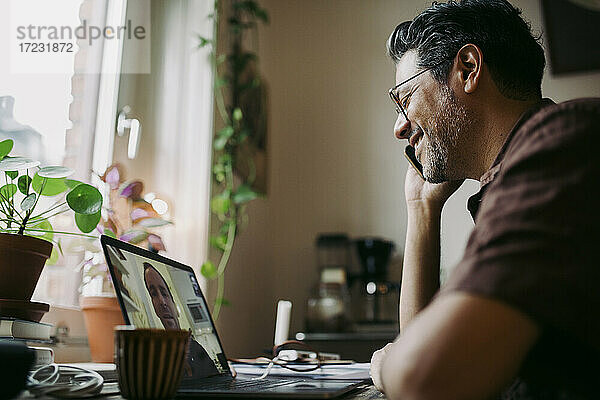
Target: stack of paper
(354, 371)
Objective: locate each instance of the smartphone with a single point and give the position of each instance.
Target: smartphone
(409, 152)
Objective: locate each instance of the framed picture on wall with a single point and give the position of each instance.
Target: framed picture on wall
(573, 31)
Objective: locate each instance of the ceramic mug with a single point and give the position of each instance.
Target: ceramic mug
(149, 361)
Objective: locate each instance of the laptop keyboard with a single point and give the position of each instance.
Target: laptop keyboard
(238, 384)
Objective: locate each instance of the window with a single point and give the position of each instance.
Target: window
(75, 107)
(49, 107)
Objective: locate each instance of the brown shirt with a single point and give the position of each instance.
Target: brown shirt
(536, 244)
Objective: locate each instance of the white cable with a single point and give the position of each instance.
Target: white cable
(64, 381)
(268, 370)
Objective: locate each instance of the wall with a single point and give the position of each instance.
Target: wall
(334, 163)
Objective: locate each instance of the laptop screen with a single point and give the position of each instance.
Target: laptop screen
(156, 292)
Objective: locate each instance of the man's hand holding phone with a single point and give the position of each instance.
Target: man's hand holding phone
(420, 192)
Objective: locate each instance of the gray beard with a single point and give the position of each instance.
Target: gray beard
(443, 138)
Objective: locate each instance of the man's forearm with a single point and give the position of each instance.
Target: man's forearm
(461, 346)
(421, 267)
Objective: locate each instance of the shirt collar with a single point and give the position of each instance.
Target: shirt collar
(491, 173)
(475, 200)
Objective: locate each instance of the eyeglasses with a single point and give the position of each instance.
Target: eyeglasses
(305, 360)
(393, 92)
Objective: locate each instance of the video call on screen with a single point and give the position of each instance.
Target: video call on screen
(157, 295)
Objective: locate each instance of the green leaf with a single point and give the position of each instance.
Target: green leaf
(53, 257)
(134, 236)
(52, 187)
(72, 183)
(218, 169)
(244, 134)
(224, 228)
(5, 147)
(42, 225)
(244, 5)
(220, 82)
(17, 163)
(85, 199)
(203, 41)
(23, 183)
(12, 174)
(55, 172)
(220, 204)
(224, 159)
(28, 202)
(244, 194)
(208, 270)
(222, 301)
(262, 15)
(227, 131)
(8, 191)
(253, 8)
(237, 114)
(242, 60)
(220, 143)
(219, 242)
(153, 222)
(233, 21)
(87, 222)
(223, 136)
(110, 233)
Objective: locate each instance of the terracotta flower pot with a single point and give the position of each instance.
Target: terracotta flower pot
(101, 315)
(22, 259)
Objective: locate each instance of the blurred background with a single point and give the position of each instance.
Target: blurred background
(332, 164)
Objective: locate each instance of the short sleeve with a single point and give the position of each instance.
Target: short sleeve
(536, 241)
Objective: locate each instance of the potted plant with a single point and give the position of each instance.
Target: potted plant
(26, 233)
(128, 217)
(240, 144)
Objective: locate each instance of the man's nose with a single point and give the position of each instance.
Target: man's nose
(402, 127)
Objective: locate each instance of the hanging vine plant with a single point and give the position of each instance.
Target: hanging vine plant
(240, 100)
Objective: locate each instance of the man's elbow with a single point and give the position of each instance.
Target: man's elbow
(404, 381)
(405, 378)
(408, 379)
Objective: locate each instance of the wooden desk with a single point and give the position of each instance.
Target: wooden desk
(110, 390)
(364, 392)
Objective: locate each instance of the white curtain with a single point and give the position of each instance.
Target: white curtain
(184, 125)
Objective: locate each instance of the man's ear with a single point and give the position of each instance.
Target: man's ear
(468, 67)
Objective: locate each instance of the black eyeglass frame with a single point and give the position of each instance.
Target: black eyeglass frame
(396, 99)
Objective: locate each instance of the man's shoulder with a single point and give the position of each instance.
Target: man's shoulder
(556, 147)
(591, 104)
(570, 123)
(555, 115)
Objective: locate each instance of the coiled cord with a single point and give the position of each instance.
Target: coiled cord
(64, 381)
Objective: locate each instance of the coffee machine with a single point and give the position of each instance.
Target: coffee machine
(328, 306)
(375, 298)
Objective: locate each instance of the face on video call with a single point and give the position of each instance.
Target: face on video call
(162, 300)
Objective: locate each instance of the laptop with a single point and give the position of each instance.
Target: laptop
(157, 292)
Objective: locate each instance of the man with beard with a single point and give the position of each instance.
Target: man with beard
(518, 317)
(198, 363)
